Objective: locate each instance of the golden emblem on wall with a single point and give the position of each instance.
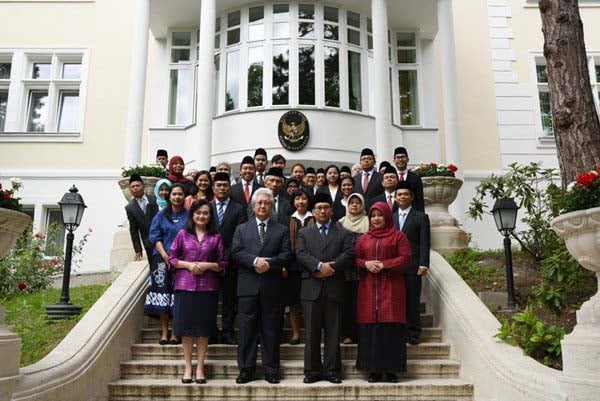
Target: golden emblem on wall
(293, 130)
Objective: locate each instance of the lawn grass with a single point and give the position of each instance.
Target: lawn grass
(26, 316)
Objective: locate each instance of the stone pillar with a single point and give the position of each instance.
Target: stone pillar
(10, 352)
(200, 142)
(381, 86)
(137, 83)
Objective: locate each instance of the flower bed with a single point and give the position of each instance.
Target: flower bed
(436, 170)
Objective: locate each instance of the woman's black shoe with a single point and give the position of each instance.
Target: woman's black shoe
(201, 381)
(186, 381)
(294, 341)
(174, 342)
(391, 378)
(374, 378)
(163, 342)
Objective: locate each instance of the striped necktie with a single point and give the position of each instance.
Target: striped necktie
(261, 233)
(221, 212)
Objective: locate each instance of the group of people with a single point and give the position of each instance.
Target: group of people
(343, 250)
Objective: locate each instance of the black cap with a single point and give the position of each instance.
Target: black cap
(367, 152)
(247, 160)
(221, 176)
(321, 171)
(212, 169)
(310, 170)
(260, 151)
(390, 170)
(345, 169)
(322, 198)
(403, 185)
(162, 152)
(135, 177)
(400, 150)
(290, 181)
(384, 164)
(278, 157)
(276, 172)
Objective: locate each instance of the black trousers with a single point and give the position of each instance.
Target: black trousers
(322, 315)
(259, 313)
(348, 326)
(413, 299)
(229, 301)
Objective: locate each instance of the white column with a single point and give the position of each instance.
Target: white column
(449, 83)
(137, 83)
(381, 84)
(199, 143)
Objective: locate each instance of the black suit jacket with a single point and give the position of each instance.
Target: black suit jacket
(339, 210)
(237, 192)
(373, 189)
(284, 211)
(416, 185)
(233, 217)
(380, 198)
(139, 223)
(246, 247)
(417, 230)
(311, 249)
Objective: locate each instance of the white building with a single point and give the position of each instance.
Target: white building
(89, 86)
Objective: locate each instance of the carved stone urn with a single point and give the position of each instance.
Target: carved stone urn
(12, 223)
(439, 192)
(581, 348)
(149, 183)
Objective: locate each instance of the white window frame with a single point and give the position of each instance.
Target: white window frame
(182, 65)
(21, 83)
(46, 209)
(416, 66)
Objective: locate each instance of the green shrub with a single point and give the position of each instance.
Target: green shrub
(145, 171)
(547, 296)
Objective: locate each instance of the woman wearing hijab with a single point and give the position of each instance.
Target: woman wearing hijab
(381, 254)
(161, 192)
(176, 167)
(357, 222)
(165, 226)
(202, 189)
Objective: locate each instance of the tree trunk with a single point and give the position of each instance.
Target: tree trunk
(574, 116)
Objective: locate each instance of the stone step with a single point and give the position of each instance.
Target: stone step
(152, 334)
(426, 350)
(227, 369)
(291, 389)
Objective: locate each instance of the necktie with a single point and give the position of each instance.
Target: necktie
(142, 203)
(261, 233)
(402, 219)
(247, 192)
(390, 202)
(260, 178)
(275, 205)
(323, 231)
(221, 212)
(365, 182)
(401, 176)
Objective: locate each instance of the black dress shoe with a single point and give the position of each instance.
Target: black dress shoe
(391, 378)
(163, 341)
(201, 381)
(244, 377)
(227, 340)
(414, 340)
(294, 341)
(333, 378)
(186, 381)
(308, 379)
(272, 379)
(374, 378)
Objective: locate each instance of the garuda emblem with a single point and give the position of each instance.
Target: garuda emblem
(293, 130)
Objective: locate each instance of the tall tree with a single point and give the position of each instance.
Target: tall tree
(574, 116)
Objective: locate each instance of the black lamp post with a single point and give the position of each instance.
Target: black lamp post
(71, 209)
(505, 215)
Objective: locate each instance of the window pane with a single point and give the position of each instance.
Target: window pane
(409, 100)
(369, 25)
(331, 14)
(217, 61)
(68, 111)
(306, 11)
(37, 111)
(542, 77)
(232, 80)
(353, 19)
(330, 32)
(281, 12)
(597, 74)
(233, 36)
(41, 71)
(281, 30)
(306, 74)
(3, 102)
(281, 74)
(354, 81)
(217, 41)
(256, 14)
(256, 32)
(178, 55)
(180, 96)
(370, 42)
(5, 70)
(233, 19)
(71, 71)
(255, 76)
(406, 39)
(332, 76)
(55, 233)
(306, 30)
(546, 113)
(354, 37)
(218, 24)
(181, 39)
(407, 56)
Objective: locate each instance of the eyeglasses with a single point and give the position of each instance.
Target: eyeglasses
(322, 208)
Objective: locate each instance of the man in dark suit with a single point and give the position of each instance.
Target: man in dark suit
(282, 209)
(140, 212)
(325, 252)
(261, 249)
(229, 215)
(389, 183)
(368, 182)
(404, 174)
(260, 164)
(415, 225)
(242, 191)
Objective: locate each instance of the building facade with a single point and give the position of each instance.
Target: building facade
(95, 85)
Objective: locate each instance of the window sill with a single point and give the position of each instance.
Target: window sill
(40, 137)
(546, 141)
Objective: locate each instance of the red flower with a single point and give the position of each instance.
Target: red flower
(46, 265)
(22, 286)
(39, 235)
(597, 170)
(7, 195)
(432, 164)
(55, 261)
(586, 179)
(452, 168)
(38, 248)
(0, 185)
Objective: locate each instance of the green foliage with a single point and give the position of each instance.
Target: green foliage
(145, 171)
(467, 265)
(8, 200)
(548, 296)
(537, 340)
(26, 316)
(528, 186)
(581, 194)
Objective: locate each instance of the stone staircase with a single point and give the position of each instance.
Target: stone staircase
(155, 371)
